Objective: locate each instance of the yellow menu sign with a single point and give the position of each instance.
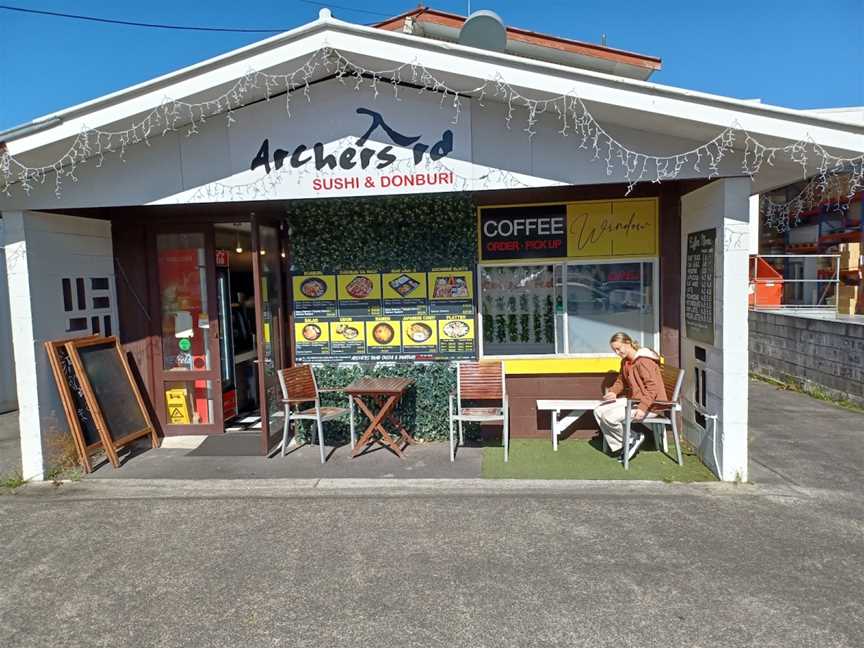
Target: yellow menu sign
(314, 287)
(419, 331)
(456, 328)
(359, 285)
(311, 332)
(384, 333)
(348, 330)
(456, 284)
(612, 228)
(404, 285)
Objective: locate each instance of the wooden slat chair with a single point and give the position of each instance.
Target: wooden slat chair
(662, 413)
(480, 382)
(299, 387)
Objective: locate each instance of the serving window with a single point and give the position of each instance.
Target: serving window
(558, 279)
(569, 308)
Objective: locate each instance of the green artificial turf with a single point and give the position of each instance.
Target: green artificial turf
(581, 459)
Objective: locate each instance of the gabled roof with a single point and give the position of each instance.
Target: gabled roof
(659, 111)
(433, 23)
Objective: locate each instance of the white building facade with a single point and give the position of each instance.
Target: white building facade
(335, 110)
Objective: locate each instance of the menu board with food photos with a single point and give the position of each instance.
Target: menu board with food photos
(362, 315)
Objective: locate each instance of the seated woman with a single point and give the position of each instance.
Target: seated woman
(640, 377)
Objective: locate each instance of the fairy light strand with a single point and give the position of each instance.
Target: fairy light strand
(574, 117)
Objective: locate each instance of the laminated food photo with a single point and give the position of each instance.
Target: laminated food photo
(313, 288)
(419, 332)
(359, 287)
(450, 287)
(404, 284)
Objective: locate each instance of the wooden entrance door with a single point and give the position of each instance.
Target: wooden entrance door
(186, 362)
(270, 316)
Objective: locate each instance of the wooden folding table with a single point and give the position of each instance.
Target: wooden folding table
(383, 394)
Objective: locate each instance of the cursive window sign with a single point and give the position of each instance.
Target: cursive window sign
(586, 231)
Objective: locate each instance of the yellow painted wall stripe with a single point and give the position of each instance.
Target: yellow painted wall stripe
(561, 365)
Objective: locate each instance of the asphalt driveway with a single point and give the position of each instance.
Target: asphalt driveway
(325, 563)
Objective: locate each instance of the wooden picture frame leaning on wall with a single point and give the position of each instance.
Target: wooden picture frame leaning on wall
(119, 412)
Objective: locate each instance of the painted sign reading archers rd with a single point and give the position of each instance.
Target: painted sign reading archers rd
(359, 157)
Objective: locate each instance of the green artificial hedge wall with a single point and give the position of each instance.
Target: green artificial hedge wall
(432, 231)
(411, 231)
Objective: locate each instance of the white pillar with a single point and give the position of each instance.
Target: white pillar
(754, 224)
(24, 344)
(8, 391)
(43, 251)
(722, 206)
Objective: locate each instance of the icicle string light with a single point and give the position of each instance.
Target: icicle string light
(189, 118)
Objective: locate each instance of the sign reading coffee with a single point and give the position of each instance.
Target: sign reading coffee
(591, 229)
(524, 232)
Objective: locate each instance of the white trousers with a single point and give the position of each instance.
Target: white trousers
(610, 418)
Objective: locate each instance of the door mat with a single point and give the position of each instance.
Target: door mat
(236, 444)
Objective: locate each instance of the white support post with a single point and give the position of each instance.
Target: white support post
(24, 345)
(61, 285)
(725, 207)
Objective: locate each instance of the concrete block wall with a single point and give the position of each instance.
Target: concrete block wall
(821, 354)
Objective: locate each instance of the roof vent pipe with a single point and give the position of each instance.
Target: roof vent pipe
(485, 30)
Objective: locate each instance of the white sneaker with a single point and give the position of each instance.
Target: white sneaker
(635, 441)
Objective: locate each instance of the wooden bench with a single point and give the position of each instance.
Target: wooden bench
(571, 409)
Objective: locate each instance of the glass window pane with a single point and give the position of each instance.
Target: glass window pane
(183, 291)
(189, 402)
(518, 309)
(603, 298)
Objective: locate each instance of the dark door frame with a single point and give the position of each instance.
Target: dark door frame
(268, 436)
(161, 376)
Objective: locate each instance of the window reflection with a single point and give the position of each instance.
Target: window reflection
(565, 308)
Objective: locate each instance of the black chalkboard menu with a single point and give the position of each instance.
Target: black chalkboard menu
(699, 286)
(82, 425)
(114, 392)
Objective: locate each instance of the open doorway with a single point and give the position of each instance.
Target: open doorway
(238, 343)
(219, 332)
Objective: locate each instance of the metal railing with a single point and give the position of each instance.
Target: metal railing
(787, 282)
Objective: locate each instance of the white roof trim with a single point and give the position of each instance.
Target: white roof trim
(538, 77)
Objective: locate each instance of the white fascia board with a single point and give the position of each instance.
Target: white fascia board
(549, 79)
(543, 78)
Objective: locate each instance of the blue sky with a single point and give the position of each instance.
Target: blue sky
(791, 53)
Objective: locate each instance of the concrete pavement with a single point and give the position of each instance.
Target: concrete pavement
(801, 441)
(326, 563)
(236, 455)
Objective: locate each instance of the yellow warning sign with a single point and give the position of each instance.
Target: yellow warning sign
(176, 400)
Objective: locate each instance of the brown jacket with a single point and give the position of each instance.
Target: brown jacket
(641, 379)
